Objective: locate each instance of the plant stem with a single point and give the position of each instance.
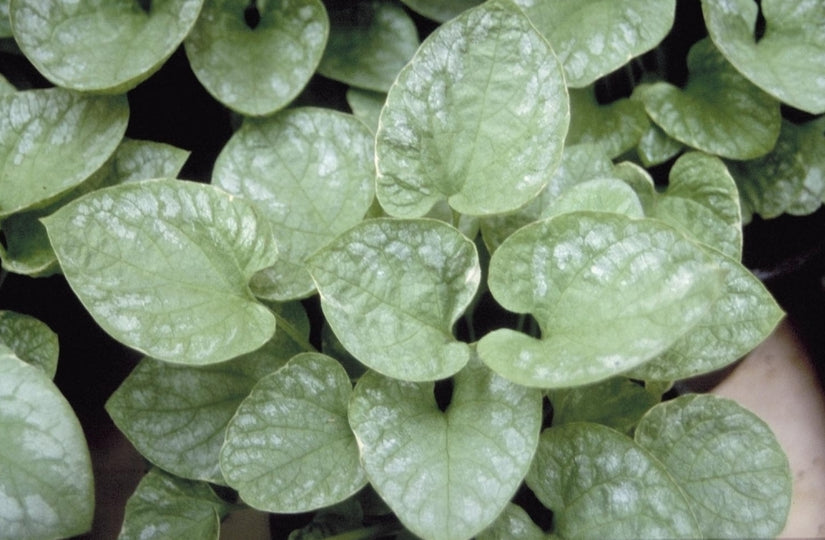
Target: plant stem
(374, 531)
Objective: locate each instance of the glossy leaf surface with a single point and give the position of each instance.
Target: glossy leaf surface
(163, 267)
(446, 474)
(478, 117)
(391, 290)
(31, 340)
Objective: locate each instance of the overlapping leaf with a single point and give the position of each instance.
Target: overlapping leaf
(446, 475)
(31, 340)
(98, 44)
(609, 293)
(478, 117)
(311, 173)
(599, 195)
(164, 265)
(391, 289)
(289, 448)
(618, 403)
(727, 462)
(366, 105)
(440, 10)
(513, 522)
(257, 71)
(617, 126)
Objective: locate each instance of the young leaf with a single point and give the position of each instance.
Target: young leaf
(30, 340)
(513, 523)
(719, 111)
(369, 43)
(311, 173)
(595, 37)
(446, 474)
(787, 60)
(440, 10)
(600, 195)
(608, 291)
(366, 105)
(52, 140)
(98, 44)
(478, 117)
(656, 147)
(600, 484)
(257, 71)
(46, 484)
(176, 416)
(617, 126)
(618, 403)
(727, 462)
(168, 507)
(163, 266)
(392, 289)
(136, 160)
(289, 447)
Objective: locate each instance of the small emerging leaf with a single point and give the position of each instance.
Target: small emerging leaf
(30, 340)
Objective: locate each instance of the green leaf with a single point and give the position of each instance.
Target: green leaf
(640, 180)
(596, 37)
(446, 474)
(600, 195)
(366, 105)
(369, 43)
(600, 484)
(478, 117)
(655, 146)
(289, 447)
(440, 10)
(787, 60)
(617, 126)
(789, 179)
(163, 266)
(513, 522)
(702, 201)
(257, 71)
(719, 111)
(311, 172)
(166, 507)
(28, 250)
(609, 293)
(46, 484)
(30, 340)
(727, 462)
(5, 23)
(52, 140)
(176, 416)
(5, 86)
(618, 403)
(331, 521)
(392, 289)
(98, 44)
(136, 160)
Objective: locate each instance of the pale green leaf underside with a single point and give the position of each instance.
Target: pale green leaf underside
(257, 71)
(618, 403)
(289, 447)
(164, 506)
(478, 117)
(609, 293)
(311, 172)
(46, 484)
(440, 10)
(596, 37)
(391, 290)
(100, 44)
(446, 475)
(366, 105)
(31, 340)
(617, 126)
(727, 462)
(369, 44)
(163, 266)
(176, 416)
(600, 484)
(787, 61)
(52, 140)
(719, 111)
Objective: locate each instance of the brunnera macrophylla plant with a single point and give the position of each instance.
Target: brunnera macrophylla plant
(478, 167)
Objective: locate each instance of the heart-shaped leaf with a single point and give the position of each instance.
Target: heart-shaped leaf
(31, 340)
(289, 447)
(176, 416)
(600, 484)
(596, 37)
(164, 265)
(440, 10)
(168, 507)
(609, 293)
(478, 117)
(727, 462)
(391, 290)
(98, 44)
(719, 111)
(311, 172)
(46, 484)
(446, 475)
(52, 140)
(257, 71)
(617, 126)
(369, 43)
(787, 60)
